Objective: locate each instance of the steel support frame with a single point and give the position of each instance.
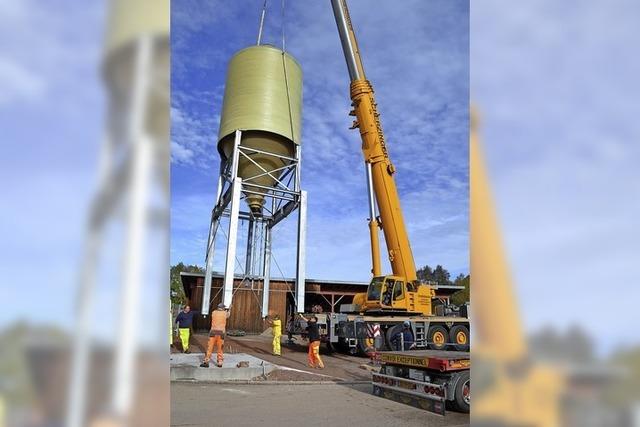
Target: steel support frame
(137, 173)
(280, 201)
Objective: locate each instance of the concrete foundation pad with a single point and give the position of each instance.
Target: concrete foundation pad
(186, 367)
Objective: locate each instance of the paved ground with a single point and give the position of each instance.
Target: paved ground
(227, 405)
(337, 365)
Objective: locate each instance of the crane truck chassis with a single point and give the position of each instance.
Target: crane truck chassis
(369, 333)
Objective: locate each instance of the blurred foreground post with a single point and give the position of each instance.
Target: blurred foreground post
(133, 177)
(509, 389)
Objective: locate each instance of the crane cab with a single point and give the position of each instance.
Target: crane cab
(394, 293)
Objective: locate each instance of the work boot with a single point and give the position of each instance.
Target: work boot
(187, 351)
(204, 365)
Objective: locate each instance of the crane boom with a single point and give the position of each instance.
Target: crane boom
(379, 168)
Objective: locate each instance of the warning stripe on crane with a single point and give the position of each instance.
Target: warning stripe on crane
(373, 330)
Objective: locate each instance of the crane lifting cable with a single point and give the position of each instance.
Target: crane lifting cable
(261, 25)
(282, 25)
(284, 66)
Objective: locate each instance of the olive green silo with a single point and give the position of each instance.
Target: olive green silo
(263, 99)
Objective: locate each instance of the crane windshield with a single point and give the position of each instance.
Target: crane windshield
(375, 289)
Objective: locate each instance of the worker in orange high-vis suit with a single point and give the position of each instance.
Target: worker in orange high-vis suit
(219, 318)
(276, 328)
(314, 342)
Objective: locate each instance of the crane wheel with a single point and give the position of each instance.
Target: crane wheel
(391, 332)
(369, 345)
(462, 393)
(438, 337)
(366, 346)
(459, 335)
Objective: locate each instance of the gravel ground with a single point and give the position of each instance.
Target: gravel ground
(225, 405)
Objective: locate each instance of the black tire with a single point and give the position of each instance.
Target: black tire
(342, 346)
(330, 348)
(363, 348)
(459, 335)
(438, 337)
(390, 333)
(462, 393)
(367, 345)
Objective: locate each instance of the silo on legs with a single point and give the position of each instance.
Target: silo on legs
(259, 145)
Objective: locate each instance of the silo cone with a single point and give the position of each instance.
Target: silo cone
(263, 99)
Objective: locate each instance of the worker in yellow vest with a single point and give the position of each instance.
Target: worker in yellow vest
(217, 333)
(184, 321)
(276, 327)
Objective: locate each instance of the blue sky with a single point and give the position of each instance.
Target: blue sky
(52, 107)
(557, 88)
(559, 107)
(416, 55)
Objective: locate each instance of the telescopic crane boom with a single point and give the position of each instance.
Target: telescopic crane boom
(380, 170)
(374, 318)
(385, 292)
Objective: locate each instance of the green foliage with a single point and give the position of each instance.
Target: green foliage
(24, 347)
(441, 276)
(425, 273)
(176, 291)
(463, 295)
(625, 364)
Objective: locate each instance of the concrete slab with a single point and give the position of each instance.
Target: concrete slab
(186, 367)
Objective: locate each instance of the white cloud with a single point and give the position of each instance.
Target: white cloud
(559, 123)
(416, 57)
(19, 83)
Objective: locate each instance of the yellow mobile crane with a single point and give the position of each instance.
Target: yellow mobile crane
(377, 315)
(380, 171)
(513, 391)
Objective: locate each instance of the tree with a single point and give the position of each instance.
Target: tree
(425, 274)
(463, 295)
(176, 290)
(624, 368)
(440, 275)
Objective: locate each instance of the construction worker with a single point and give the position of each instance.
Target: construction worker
(290, 326)
(314, 342)
(403, 340)
(184, 321)
(276, 327)
(218, 330)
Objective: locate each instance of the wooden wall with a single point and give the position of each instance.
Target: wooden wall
(245, 311)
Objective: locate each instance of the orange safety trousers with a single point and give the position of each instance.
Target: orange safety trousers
(218, 342)
(314, 355)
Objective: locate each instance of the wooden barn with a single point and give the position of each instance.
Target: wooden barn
(247, 298)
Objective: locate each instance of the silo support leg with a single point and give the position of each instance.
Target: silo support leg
(211, 248)
(211, 244)
(229, 268)
(267, 270)
(300, 265)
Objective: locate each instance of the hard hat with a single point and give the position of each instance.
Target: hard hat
(406, 324)
(221, 305)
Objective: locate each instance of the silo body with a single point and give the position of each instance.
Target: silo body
(263, 99)
(132, 18)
